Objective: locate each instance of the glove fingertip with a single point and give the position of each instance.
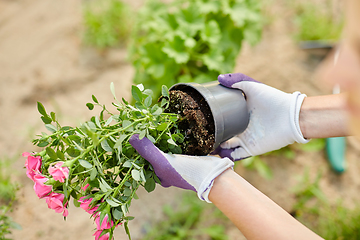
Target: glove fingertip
(228, 80)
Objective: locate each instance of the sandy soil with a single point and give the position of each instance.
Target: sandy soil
(42, 59)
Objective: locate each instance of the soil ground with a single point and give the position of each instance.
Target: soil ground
(42, 59)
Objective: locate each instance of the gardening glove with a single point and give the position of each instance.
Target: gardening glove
(274, 119)
(187, 172)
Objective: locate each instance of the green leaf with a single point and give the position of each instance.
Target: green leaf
(211, 33)
(135, 174)
(60, 155)
(112, 203)
(158, 112)
(214, 59)
(46, 119)
(151, 138)
(120, 140)
(51, 153)
(171, 141)
(97, 121)
(136, 93)
(93, 174)
(142, 134)
(53, 117)
(148, 101)
(51, 128)
(162, 126)
(108, 121)
(90, 106)
(127, 229)
(85, 164)
(176, 50)
(150, 185)
(43, 144)
(140, 87)
(127, 192)
(104, 185)
(112, 89)
(127, 164)
(94, 99)
(41, 109)
(105, 146)
(164, 91)
(73, 152)
(117, 214)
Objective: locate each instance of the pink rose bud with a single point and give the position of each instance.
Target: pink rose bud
(55, 201)
(40, 188)
(58, 172)
(85, 204)
(106, 224)
(32, 164)
(97, 234)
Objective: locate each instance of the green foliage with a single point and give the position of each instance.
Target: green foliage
(7, 197)
(256, 163)
(98, 152)
(7, 187)
(107, 23)
(316, 23)
(188, 221)
(193, 40)
(330, 221)
(6, 222)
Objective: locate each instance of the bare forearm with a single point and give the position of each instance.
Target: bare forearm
(253, 213)
(324, 116)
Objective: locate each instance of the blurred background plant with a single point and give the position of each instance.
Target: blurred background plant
(332, 221)
(7, 198)
(191, 41)
(259, 163)
(315, 23)
(190, 219)
(107, 23)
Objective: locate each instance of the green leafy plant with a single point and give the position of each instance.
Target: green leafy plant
(195, 40)
(6, 222)
(188, 221)
(7, 197)
(7, 187)
(95, 165)
(316, 23)
(107, 23)
(259, 164)
(331, 221)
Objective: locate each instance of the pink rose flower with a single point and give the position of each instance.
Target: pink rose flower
(106, 224)
(85, 204)
(59, 173)
(55, 201)
(32, 164)
(97, 234)
(40, 188)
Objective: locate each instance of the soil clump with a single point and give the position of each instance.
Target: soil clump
(196, 121)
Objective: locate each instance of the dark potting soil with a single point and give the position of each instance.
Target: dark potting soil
(196, 121)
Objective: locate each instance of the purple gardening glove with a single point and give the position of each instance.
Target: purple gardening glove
(182, 171)
(274, 119)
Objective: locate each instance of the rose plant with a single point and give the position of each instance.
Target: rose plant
(94, 165)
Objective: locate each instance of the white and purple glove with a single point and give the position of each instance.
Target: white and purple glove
(274, 119)
(182, 171)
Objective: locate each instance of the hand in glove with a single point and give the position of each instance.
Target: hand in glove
(274, 119)
(195, 173)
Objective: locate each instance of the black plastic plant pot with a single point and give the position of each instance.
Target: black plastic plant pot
(228, 108)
